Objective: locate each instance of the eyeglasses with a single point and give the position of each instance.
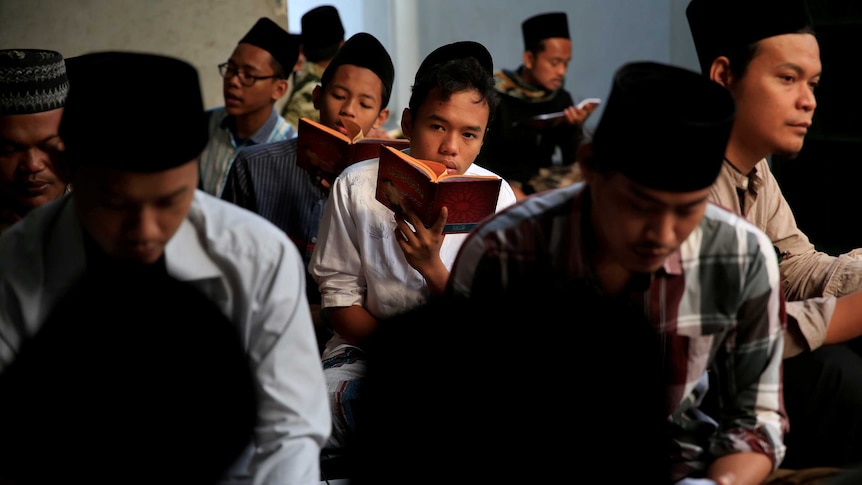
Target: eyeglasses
(245, 78)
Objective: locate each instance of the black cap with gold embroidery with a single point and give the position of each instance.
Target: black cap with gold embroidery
(167, 130)
(681, 148)
(719, 27)
(32, 81)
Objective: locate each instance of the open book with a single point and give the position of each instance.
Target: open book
(425, 185)
(324, 151)
(545, 120)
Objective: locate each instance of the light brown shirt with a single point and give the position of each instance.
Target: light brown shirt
(812, 279)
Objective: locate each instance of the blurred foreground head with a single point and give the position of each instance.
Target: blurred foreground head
(130, 380)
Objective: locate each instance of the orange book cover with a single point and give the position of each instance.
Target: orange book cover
(426, 186)
(321, 148)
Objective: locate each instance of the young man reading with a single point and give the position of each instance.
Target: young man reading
(255, 77)
(265, 179)
(135, 210)
(639, 235)
(370, 263)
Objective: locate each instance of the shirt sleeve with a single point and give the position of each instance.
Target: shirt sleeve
(752, 416)
(294, 416)
(336, 263)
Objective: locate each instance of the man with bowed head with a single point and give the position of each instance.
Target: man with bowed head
(135, 209)
(33, 89)
(640, 235)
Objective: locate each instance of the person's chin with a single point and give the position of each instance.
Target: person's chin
(789, 151)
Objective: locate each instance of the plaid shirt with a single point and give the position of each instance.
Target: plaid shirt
(716, 303)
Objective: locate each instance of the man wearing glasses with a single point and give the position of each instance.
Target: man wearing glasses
(255, 77)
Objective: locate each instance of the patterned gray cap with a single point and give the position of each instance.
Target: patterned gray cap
(32, 81)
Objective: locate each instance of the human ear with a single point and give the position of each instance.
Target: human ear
(719, 71)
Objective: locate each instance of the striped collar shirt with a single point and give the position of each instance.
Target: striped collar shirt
(266, 180)
(221, 150)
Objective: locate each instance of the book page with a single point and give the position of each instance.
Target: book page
(308, 125)
(353, 129)
(433, 169)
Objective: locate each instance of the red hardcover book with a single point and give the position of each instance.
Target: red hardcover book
(425, 185)
(320, 148)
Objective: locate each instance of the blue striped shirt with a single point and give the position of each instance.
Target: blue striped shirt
(223, 147)
(266, 180)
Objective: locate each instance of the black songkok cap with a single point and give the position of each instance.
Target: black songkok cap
(682, 148)
(456, 50)
(545, 26)
(719, 27)
(172, 114)
(281, 45)
(31, 81)
(364, 50)
(322, 33)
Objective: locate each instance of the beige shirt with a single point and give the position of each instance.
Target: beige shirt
(812, 279)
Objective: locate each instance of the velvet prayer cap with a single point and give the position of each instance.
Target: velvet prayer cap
(32, 81)
(364, 50)
(664, 127)
(322, 33)
(456, 50)
(167, 129)
(719, 27)
(545, 26)
(270, 37)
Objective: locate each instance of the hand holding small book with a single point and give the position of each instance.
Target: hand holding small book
(421, 245)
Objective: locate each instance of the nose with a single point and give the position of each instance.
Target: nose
(34, 161)
(449, 143)
(348, 108)
(561, 69)
(660, 229)
(142, 225)
(807, 99)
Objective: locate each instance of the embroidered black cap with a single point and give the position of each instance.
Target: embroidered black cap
(167, 130)
(364, 50)
(32, 81)
(681, 148)
(722, 26)
(280, 44)
(545, 26)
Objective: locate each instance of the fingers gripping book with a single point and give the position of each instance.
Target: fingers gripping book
(427, 187)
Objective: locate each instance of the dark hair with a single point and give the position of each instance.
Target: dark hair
(278, 70)
(455, 76)
(740, 57)
(537, 47)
